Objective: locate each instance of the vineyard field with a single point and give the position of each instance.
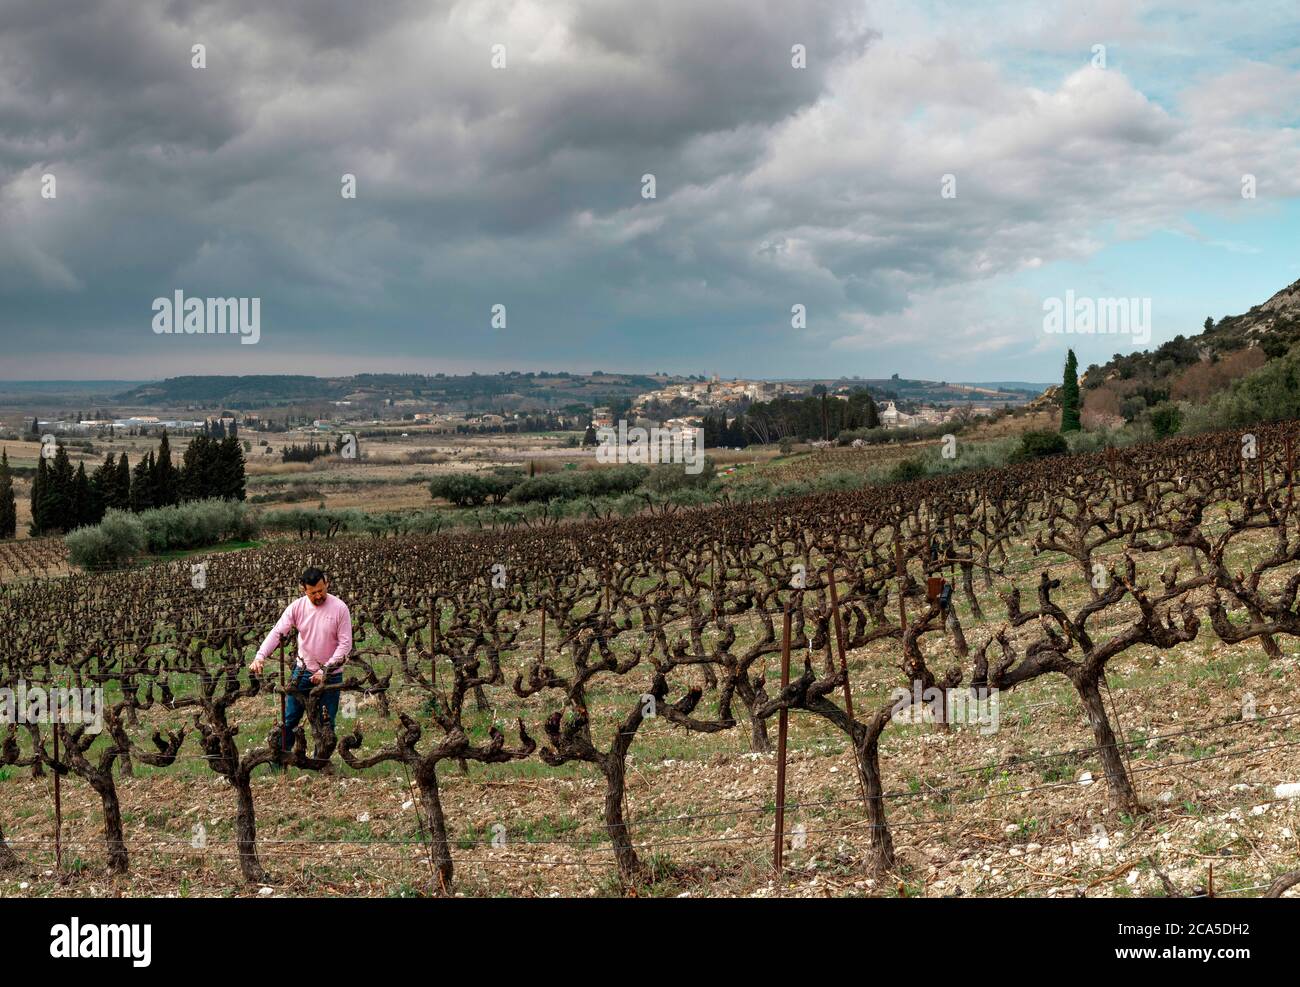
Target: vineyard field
(1098, 655)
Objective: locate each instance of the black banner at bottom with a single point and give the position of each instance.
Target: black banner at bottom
(138, 937)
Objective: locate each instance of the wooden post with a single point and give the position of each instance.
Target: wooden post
(713, 579)
(844, 666)
(435, 618)
(783, 722)
(898, 568)
(1290, 468)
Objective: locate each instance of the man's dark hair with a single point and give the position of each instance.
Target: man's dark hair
(311, 576)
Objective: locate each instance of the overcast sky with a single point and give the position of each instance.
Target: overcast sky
(522, 185)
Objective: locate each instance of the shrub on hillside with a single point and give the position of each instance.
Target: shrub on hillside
(1270, 393)
(1166, 419)
(1036, 445)
(839, 481)
(198, 523)
(569, 484)
(913, 433)
(116, 539)
(474, 489)
(122, 535)
(907, 470)
(665, 479)
(317, 523)
(751, 488)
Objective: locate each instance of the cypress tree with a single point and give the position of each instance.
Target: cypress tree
(196, 469)
(81, 509)
(143, 493)
(872, 413)
(59, 492)
(231, 468)
(166, 481)
(103, 487)
(38, 504)
(104, 477)
(122, 488)
(1070, 395)
(8, 506)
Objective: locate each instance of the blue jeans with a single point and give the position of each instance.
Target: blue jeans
(296, 706)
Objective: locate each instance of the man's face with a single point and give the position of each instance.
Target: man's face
(317, 593)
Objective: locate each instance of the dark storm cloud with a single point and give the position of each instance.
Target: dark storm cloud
(521, 186)
(225, 180)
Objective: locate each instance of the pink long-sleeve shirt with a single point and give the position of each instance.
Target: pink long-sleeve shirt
(324, 633)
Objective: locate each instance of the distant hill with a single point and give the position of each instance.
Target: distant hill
(17, 390)
(236, 391)
(271, 390)
(946, 392)
(1029, 387)
(515, 389)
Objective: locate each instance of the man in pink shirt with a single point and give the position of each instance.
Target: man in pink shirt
(324, 642)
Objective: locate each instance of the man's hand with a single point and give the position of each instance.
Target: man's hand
(317, 678)
(256, 667)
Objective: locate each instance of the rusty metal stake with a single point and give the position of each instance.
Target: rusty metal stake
(783, 723)
(58, 806)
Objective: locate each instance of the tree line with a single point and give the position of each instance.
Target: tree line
(64, 498)
(816, 416)
(8, 506)
(304, 453)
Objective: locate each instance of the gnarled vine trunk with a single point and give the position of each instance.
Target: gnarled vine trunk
(615, 770)
(426, 779)
(1122, 795)
(114, 838)
(867, 751)
(246, 829)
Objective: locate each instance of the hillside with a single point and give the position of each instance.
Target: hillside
(1273, 327)
(1190, 368)
(515, 389)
